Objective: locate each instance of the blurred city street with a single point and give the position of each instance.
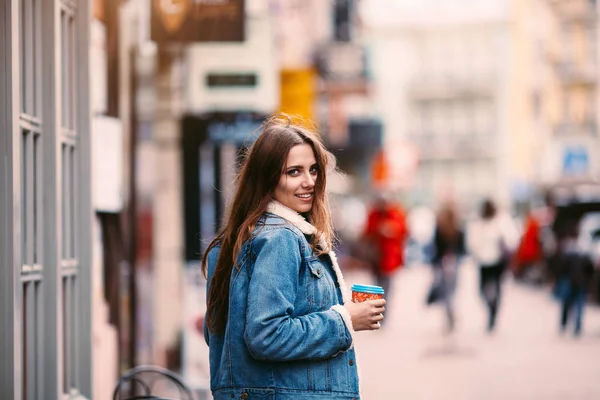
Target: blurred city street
(526, 358)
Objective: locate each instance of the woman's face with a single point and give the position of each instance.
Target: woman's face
(296, 187)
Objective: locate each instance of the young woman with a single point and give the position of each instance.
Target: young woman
(280, 321)
(449, 248)
(490, 238)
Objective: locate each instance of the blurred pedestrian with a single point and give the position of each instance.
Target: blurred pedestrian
(384, 234)
(574, 272)
(529, 253)
(448, 249)
(550, 230)
(490, 240)
(421, 223)
(279, 320)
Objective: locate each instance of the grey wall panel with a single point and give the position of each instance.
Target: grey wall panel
(84, 207)
(10, 225)
(52, 352)
(32, 197)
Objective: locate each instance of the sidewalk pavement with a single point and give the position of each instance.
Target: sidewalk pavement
(526, 358)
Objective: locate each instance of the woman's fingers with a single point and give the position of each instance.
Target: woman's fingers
(377, 303)
(378, 310)
(367, 315)
(378, 306)
(374, 321)
(376, 317)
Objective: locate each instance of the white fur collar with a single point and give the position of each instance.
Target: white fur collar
(296, 219)
(305, 227)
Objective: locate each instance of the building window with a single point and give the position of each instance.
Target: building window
(592, 43)
(31, 129)
(49, 239)
(69, 269)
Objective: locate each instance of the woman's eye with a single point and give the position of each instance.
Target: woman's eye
(293, 172)
(314, 170)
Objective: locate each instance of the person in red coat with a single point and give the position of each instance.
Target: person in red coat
(529, 252)
(386, 232)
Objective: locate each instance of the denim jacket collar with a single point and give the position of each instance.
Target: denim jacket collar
(305, 227)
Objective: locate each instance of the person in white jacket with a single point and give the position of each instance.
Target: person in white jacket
(490, 240)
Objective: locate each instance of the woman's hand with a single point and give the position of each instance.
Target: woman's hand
(366, 315)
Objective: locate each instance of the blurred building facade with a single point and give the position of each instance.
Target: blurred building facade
(499, 97)
(45, 200)
(442, 85)
(565, 91)
(456, 110)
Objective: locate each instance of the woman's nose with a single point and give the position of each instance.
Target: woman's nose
(309, 181)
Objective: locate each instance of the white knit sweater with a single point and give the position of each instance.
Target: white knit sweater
(487, 239)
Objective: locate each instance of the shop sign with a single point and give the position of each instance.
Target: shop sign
(187, 21)
(341, 61)
(297, 96)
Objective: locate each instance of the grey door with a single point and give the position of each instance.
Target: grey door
(45, 212)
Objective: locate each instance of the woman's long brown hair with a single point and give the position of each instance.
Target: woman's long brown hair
(448, 224)
(259, 175)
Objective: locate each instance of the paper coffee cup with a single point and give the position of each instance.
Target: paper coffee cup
(362, 293)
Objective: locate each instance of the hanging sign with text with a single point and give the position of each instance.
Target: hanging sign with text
(187, 21)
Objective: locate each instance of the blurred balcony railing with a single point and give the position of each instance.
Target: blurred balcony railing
(567, 128)
(571, 72)
(575, 10)
(435, 147)
(429, 88)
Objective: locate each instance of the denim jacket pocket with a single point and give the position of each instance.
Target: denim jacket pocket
(316, 268)
(319, 287)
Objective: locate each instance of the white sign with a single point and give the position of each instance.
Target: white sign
(234, 76)
(571, 157)
(343, 61)
(107, 164)
(403, 158)
(98, 72)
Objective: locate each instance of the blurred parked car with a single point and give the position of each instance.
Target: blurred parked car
(588, 215)
(589, 236)
(589, 241)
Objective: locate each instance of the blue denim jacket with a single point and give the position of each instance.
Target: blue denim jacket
(287, 334)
